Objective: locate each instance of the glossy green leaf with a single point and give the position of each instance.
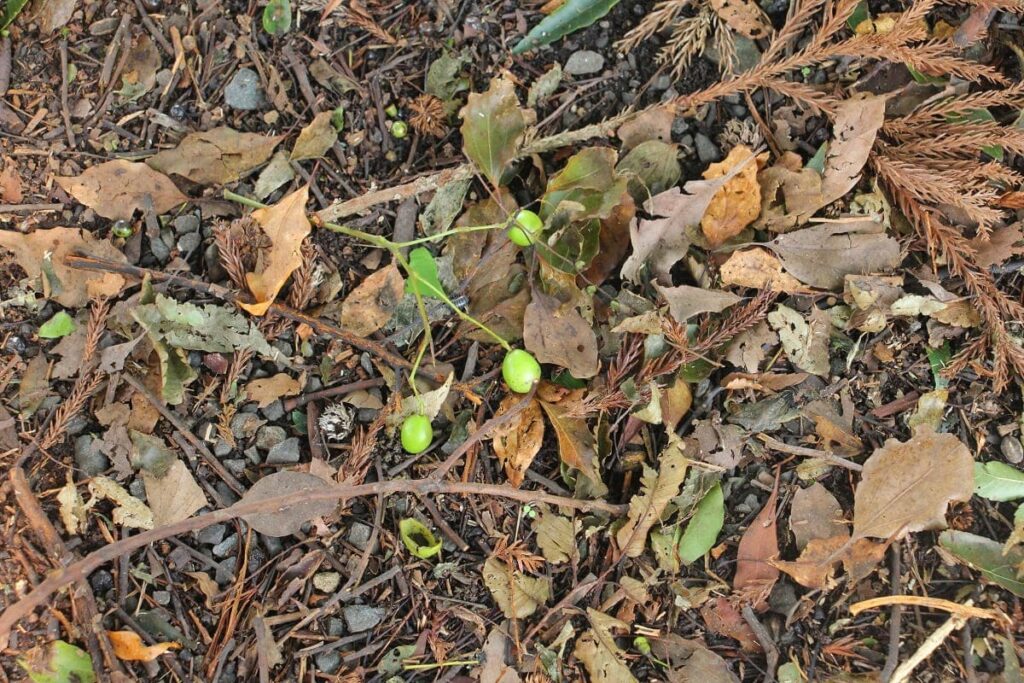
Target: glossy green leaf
(58, 662)
(493, 126)
(817, 162)
(423, 266)
(859, 14)
(986, 556)
(938, 359)
(60, 325)
(704, 527)
(418, 539)
(571, 16)
(998, 481)
(277, 17)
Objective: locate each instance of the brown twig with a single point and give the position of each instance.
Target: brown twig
(65, 108)
(341, 493)
(827, 456)
(5, 64)
(767, 643)
(291, 404)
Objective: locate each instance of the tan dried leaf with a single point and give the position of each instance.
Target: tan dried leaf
(518, 442)
(174, 496)
(576, 446)
(116, 189)
(685, 301)
(759, 545)
(598, 651)
(817, 562)
(758, 268)
(129, 511)
(73, 512)
(286, 225)
(738, 203)
(906, 486)
(806, 344)
(268, 389)
(556, 333)
(651, 124)
(556, 536)
(744, 17)
(658, 488)
(1002, 244)
(370, 305)
(823, 255)
(857, 121)
(518, 596)
(496, 666)
(815, 514)
(128, 646)
(315, 139)
(215, 157)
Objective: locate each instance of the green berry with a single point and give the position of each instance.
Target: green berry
(399, 129)
(642, 645)
(392, 111)
(520, 370)
(122, 229)
(528, 226)
(416, 433)
(277, 17)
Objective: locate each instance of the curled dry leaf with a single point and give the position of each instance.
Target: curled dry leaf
(755, 574)
(816, 563)
(286, 225)
(516, 443)
(690, 660)
(576, 444)
(215, 157)
(41, 255)
(128, 646)
(857, 121)
(370, 305)
(496, 666)
(598, 651)
(556, 333)
(906, 486)
(658, 488)
(738, 203)
(129, 511)
(73, 512)
(722, 617)
(759, 269)
(1002, 244)
(280, 521)
(315, 139)
(685, 301)
(651, 124)
(116, 189)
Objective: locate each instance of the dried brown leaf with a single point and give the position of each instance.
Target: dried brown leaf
(286, 225)
(266, 390)
(285, 521)
(815, 514)
(759, 545)
(215, 157)
(518, 596)
(646, 507)
(856, 125)
(744, 17)
(174, 496)
(722, 617)
(315, 139)
(116, 189)
(128, 646)
(598, 651)
(685, 301)
(556, 333)
(738, 203)
(817, 562)
(518, 442)
(823, 255)
(1002, 244)
(370, 305)
(759, 269)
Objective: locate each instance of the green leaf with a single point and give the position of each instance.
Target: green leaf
(418, 539)
(423, 278)
(938, 359)
(702, 531)
(444, 79)
(817, 162)
(588, 179)
(277, 17)
(571, 16)
(987, 556)
(12, 8)
(58, 662)
(60, 325)
(493, 126)
(998, 481)
(654, 167)
(859, 14)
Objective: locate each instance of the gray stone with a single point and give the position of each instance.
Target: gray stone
(244, 91)
(212, 535)
(161, 252)
(101, 581)
(738, 110)
(662, 82)
(225, 547)
(138, 489)
(88, 457)
(707, 151)
(285, 453)
(236, 466)
(162, 597)
(584, 62)
(269, 436)
(186, 223)
(274, 411)
(1012, 449)
(361, 618)
(328, 662)
(221, 448)
(284, 347)
(335, 627)
(359, 534)
(189, 242)
(253, 454)
(225, 572)
(77, 424)
(244, 424)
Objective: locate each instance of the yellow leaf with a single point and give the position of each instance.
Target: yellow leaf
(129, 647)
(759, 268)
(738, 203)
(286, 225)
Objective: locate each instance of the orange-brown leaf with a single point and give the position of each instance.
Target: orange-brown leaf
(755, 574)
(738, 203)
(286, 225)
(128, 646)
(518, 442)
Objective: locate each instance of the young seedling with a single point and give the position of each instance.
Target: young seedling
(526, 229)
(520, 370)
(417, 433)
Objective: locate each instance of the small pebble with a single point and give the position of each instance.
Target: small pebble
(236, 466)
(269, 436)
(161, 252)
(707, 151)
(244, 91)
(328, 662)
(101, 581)
(212, 535)
(162, 597)
(244, 424)
(584, 62)
(361, 618)
(274, 411)
(189, 242)
(221, 448)
(359, 534)
(287, 452)
(186, 223)
(326, 582)
(88, 457)
(225, 547)
(1012, 449)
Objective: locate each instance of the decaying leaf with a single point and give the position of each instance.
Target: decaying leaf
(286, 225)
(759, 545)
(496, 666)
(722, 617)
(517, 595)
(654, 123)
(370, 305)
(518, 442)
(73, 512)
(493, 126)
(34, 386)
(266, 390)
(215, 157)
(691, 661)
(41, 255)
(174, 496)
(576, 445)
(57, 662)
(1002, 244)
(141, 64)
(759, 269)
(427, 403)
(556, 536)
(646, 507)
(743, 16)
(857, 121)
(815, 514)
(128, 646)
(906, 486)
(283, 521)
(823, 255)
(738, 203)
(988, 557)
(556, 333)
(598, 651)
(116, 189)
(816, 564)
(806, 344)
(685, 301)
(129, 511)
(275, 174)
(315, 139)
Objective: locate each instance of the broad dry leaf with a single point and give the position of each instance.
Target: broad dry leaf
(496, 666)
(286, 225)
(759, 545)
(759, 269)
(816, 563)
(370, 305)
(516, 443)
(576, 444)
(747, 350)
(174, 496)
(800, 189)
(906, 486)
(654, 123)
(685, 301)
(215, 157)
(72, 508)
(517, 595)
(856, 125)
(722, 617)
(493, 126)
(128, 646)
(744, 17)
(658, 488)
(10, 183)
(34, 386)
(41, 255)
(556, 333)
(738, 203)
(556, 536)
(138, 73)
(428, 403)
(806, 344)
(768, 382)
(676, 401)
(861, 558)
(598, 651)
(1002, 244)
(690, 660)
(116, 189)
(663, 241)
(823, 255)
(315, 139)
(266, 390)
(815, 514)
(284, 521)
(129, 511)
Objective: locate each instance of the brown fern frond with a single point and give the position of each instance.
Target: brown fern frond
(663, 15)
(944, 107)
(962, 139)
(689, 36)
(356, 14)
(725, 45)
(231, 252)
(304, 278)
(803, 14)
(806, 95)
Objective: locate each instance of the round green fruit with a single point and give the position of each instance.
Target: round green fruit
(416, 433)
(527, 226)
(520, 370)
(399, 129)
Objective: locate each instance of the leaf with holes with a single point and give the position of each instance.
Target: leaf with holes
(658, 488)
(493, 126)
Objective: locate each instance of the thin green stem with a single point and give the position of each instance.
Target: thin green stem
(449, 233)
(243, 200)
(462, 314)
(438, 665)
